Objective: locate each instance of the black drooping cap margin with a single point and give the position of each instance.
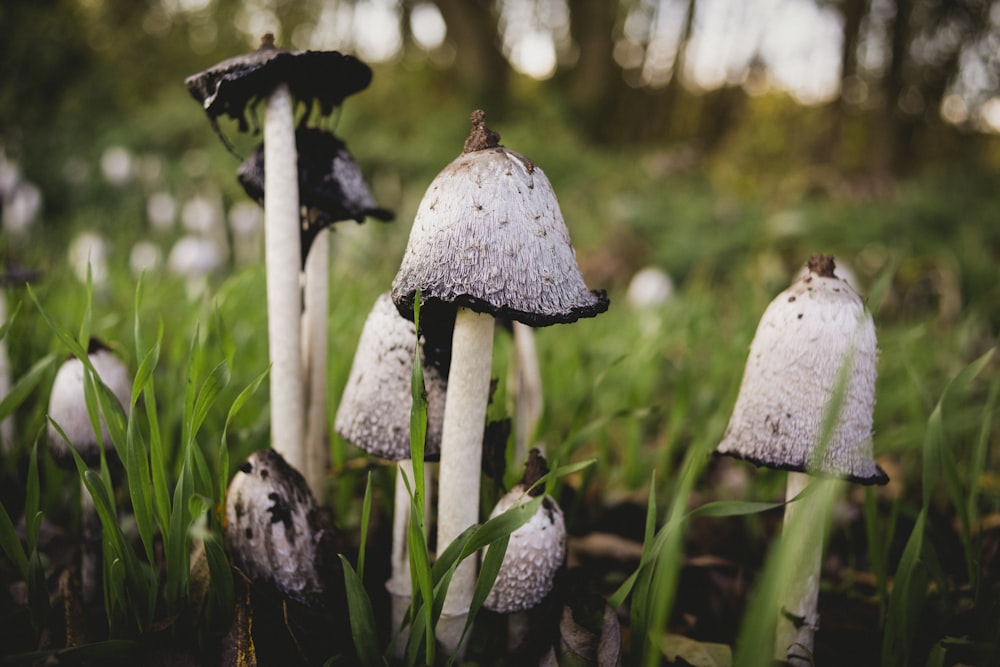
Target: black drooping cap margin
(236, 84)
(879, 480)
(434, 308)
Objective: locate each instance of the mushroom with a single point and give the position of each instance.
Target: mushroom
(796, 369)
(488, 240)
(535, 552)
(331, 189)
(374, 414)
(68, 409)
(273, 531)
(231, 88)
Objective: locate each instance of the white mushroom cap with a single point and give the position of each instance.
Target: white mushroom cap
(68, 407)
(374, 412)
(803, 339)
(534, 553)
(489, 236)
(272, 531)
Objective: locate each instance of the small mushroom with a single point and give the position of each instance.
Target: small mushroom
(68, 409)
(797, 357)
(535, 551)
(488, 240)
(374, 414)
(273, 531)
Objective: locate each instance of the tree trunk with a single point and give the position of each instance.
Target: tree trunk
(595, 81)
(480, 65)
(891, 142)
(853, 12)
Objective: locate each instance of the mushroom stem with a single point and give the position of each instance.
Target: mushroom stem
(282, 257)
(804, 528)
(90, 547)
(399, 585)
(527, 387)
(461, 459)
(314, 354)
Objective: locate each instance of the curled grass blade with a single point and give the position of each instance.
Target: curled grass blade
(362, 617)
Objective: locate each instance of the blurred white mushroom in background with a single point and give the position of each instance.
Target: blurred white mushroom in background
(145, 257)
(21, 207)
(91, 248)
(195, 258)
(161, 211)
(650, 287)
(117, 165)
(246, 222)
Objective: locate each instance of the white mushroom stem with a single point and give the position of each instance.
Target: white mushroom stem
(804, 529)
(399, 585)
(90, 547)
(461, 459)
(314, 352)
(282, 257)
(527, 387)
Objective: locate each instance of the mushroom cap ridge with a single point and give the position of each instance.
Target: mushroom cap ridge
(374, 411)
(489, 236)
(805, 335)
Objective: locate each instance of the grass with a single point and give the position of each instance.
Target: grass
(645, 394)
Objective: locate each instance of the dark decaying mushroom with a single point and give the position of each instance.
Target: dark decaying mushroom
(331, 186)
(235, 85)
(274, 531)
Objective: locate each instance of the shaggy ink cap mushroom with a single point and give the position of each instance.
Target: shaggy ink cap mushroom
(535, 551)
(489, 236)
(331, 186)
(68, 407)
(273, 530)
(374, 412)
(235, 85)
(803, 339)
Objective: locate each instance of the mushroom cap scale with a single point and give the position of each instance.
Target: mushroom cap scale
(489, 236)
(374, 412)
(802, 341)
(235, 84)
(535, 552)
(331, 186)
(68, 407)
(272, 528)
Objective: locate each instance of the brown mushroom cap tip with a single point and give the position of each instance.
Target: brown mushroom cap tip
(481, 137)
(822, 265)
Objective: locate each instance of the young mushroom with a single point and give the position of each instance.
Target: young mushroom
(374, 414)
(234, 87)
(273, 531)
(68, 409)
(488, 240)
(814, 350)
(535, 552)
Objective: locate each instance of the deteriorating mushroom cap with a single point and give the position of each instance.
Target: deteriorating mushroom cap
(331, 187)
(535, 551)
(68, 407)
(236, 84)
(272, 528)
(489, 236)
(803, 339)
(374, 412)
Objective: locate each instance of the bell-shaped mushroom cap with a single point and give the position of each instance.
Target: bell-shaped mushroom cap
(804, 338)
(68, 407)
(235, 84)
(489, 236)
(535, 551)
(331, 186)
(374, 412)
(272, 528)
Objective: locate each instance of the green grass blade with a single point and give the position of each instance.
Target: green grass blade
(617, 599)
(362, 617)
(31, 498)
(26, 384)
(423, 598)
(11, 544)
(366, 511)
(222, 472)
(909, 592)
